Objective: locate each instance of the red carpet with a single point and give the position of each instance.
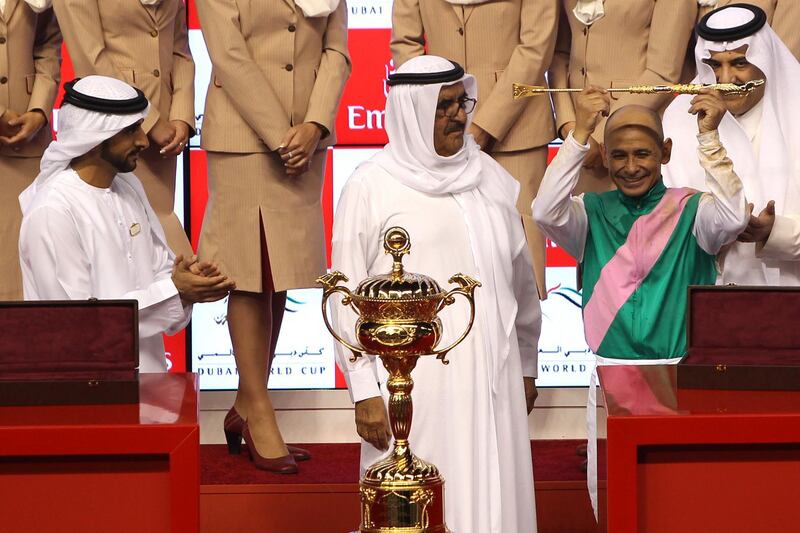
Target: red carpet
(553, 460)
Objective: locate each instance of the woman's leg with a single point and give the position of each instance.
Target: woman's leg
(254, 322)
(252, 328)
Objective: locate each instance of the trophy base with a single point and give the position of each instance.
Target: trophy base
(402, 494)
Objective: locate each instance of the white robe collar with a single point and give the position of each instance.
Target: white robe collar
(751, 123)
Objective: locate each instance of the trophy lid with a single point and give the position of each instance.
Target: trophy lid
(398, 284)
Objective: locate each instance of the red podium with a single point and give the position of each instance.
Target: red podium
(694, 460)
(97, 468)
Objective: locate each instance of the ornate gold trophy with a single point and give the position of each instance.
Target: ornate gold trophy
(398, 321)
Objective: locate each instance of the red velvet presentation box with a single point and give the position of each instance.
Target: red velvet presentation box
(69, 352)
(742, 338)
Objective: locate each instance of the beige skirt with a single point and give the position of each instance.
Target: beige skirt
(251, 193)
(17, 173)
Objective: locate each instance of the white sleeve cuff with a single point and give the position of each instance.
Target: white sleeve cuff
(363, 383)
(572, 143)
(530, 366)
(709, 139)
(157, 292)
(782, 242)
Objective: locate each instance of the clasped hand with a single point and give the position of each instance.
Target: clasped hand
(298, 147)
(759, 227)
(199, 281)
(171, 136)
(16, 129)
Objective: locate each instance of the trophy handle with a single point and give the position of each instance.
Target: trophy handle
(466, 288)
(329, 282)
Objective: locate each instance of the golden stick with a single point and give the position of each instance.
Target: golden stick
(525, 91)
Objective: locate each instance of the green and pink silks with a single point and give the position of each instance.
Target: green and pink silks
(640, 257)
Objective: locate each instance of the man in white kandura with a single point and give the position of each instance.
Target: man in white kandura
(88, 230)
(458, 206)
(761, 131)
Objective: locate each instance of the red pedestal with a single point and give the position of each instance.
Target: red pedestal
(698, 460)
(121, 468)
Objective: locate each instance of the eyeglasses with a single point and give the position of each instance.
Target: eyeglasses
(450, 108)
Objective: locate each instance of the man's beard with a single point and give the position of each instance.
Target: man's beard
(121, 163)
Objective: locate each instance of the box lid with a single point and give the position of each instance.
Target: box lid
(43, 340)
(743, 325)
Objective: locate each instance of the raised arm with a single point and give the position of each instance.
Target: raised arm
(722, 213)
(562, 216)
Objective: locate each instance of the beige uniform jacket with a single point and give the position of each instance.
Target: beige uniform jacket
(272, 68)
(636, 42)
(145, 46)
(497, 42)
(30, 66)
(782, 15)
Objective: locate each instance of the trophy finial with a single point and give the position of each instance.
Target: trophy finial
(397, 242)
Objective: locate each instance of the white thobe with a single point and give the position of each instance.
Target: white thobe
(477, 438)
(79, 242)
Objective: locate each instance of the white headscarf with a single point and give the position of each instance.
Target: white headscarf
(589, 11)
(37, 6)
(80, 130)
(483, 190)
(317, 8)
(774, 173)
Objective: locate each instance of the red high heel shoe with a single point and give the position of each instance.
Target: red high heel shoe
(233, 427)
(278, 465)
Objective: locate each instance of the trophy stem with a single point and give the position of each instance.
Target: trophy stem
(401, 411)
(401, 408)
